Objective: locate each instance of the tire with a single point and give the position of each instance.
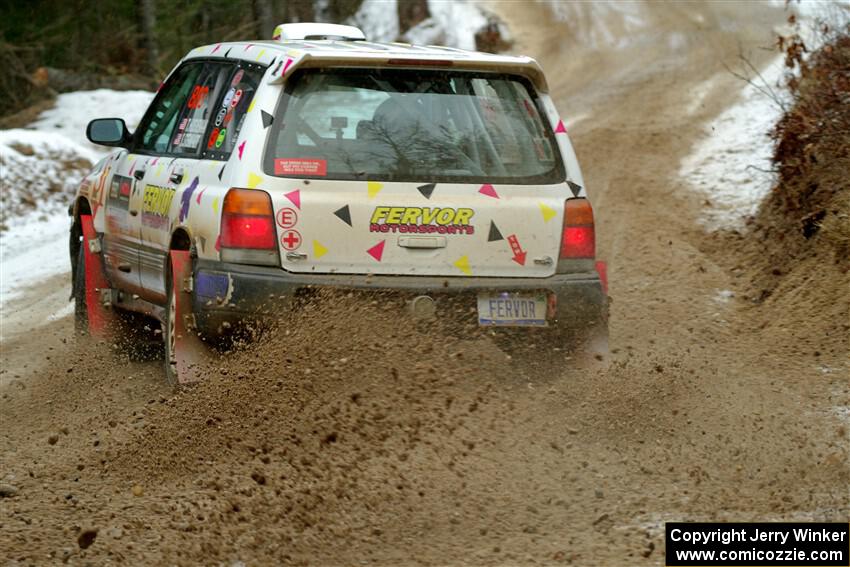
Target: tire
(81, 316)
(168, 332)
(130, 332)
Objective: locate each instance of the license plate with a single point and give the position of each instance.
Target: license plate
(512, 309)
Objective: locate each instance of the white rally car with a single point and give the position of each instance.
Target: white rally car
(265, 168)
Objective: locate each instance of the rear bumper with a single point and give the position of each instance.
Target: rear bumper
(228, 292)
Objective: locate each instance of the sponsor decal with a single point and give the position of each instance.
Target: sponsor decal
(155, 206)
(119, 191)
(118, 201)
(287, 218)
(220, 140)
(301, 166)
(213, 138)
(199, 94)
(219, 118)
(237, 77)
(422, 220)
(236, 98)
(228, 98)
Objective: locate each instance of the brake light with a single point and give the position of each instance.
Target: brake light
(420, 62)
(579, 238)
(247, 220)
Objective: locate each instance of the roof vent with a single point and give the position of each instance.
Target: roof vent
(317, 31)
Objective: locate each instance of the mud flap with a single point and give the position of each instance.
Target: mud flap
(100, 316)
(193, 355)
(602, 270)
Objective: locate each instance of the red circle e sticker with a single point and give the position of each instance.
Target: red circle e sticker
(287, 218)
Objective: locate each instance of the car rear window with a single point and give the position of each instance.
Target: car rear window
(404, 125)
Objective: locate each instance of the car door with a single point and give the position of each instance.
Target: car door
(121, 229)
(173, 170)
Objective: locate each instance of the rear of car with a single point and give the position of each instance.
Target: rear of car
(433, 177)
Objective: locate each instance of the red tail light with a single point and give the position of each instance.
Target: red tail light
(579, 237)
(247, 220)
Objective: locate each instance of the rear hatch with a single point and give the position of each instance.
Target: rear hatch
(412, 172)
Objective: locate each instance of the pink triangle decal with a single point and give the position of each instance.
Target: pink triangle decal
(295, 197)
(488, 190)
(286, 65)
(377, 251)
(242, 148)
(198, 198)
(216, 48)
(560, 129)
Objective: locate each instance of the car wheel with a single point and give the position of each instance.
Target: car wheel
(81, 316)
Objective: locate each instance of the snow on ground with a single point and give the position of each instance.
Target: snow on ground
(31, 251)
(73, 111)
(731, 165)
(39, 168)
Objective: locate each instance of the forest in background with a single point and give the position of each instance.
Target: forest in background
(51, 46)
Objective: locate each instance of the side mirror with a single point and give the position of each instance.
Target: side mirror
(108, 132)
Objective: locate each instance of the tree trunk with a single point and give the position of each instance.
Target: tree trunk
(148, 9)
(264, 16)
(299, 11)
(410, 13)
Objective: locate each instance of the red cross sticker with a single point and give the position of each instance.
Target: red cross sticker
(290, 239)
(287, 218)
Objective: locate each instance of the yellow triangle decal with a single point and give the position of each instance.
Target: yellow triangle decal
(548, 212)
(318, 249)
(215, 205)
(260, 54)
(254, 180)
(251, 106)
(463, 265)
(373, 187)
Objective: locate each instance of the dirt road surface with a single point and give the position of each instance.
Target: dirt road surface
(355, 437)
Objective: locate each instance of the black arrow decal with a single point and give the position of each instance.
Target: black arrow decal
(226, 53)
(495, 234)
(221, 171)
(427, 190)
(344, 214)
(267, 118)
(574, 187)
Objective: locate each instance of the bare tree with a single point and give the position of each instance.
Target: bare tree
(410, 13)
(148, 13)
(264, 16)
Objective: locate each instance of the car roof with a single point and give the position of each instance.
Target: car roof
(327, 53)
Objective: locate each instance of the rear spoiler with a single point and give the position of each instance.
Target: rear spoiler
(523, 66)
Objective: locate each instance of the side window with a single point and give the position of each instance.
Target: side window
(160, 120)
(188, 139)
(229, 114)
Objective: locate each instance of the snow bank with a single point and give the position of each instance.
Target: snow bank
(33, 250)
(73, 111)
(40, 167)
(731, 165)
